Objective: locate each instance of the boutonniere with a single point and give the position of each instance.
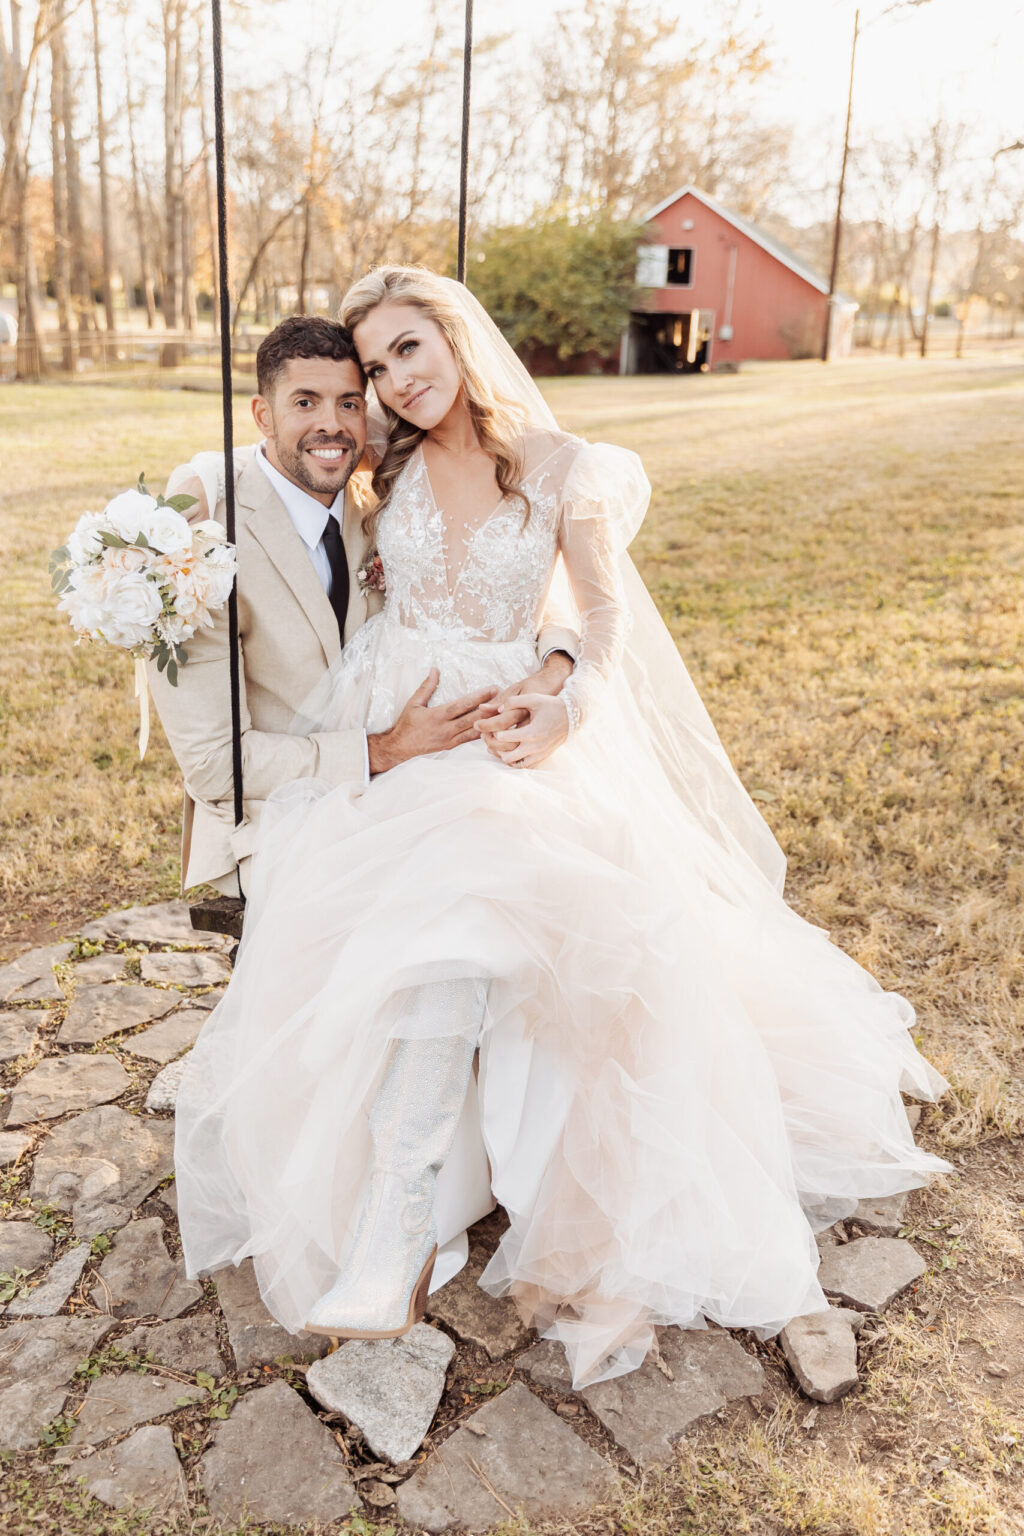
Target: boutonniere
(370, 574)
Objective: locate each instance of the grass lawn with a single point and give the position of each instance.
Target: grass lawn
(839, 553)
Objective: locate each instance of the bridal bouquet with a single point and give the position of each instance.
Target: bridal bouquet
(140, 576)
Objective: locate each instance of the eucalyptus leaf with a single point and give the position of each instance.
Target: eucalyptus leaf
(172, 673)
(181, 502)
(113, 540)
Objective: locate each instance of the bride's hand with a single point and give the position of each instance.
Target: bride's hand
(541, 732)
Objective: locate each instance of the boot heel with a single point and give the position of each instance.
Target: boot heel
(418, 1300)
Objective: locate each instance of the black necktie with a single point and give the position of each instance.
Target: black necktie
(334, 549)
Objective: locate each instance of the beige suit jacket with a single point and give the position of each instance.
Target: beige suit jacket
(288, 638)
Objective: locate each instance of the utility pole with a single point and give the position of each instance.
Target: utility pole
(839, 200)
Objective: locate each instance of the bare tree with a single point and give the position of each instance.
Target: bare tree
(101, 157)
(19, 55)
(61, 240)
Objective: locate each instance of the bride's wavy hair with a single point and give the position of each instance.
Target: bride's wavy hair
(498, 422)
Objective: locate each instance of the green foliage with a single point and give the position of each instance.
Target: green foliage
(224, 1398)
(559, 284)
(58, 1430)
(13, 1285)
(57, 1223)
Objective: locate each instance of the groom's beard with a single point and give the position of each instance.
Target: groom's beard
(319, 478)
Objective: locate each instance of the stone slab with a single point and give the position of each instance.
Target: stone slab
(37, 1362)
(12, 1146)
(166, 1040)
(142, 1472)
(116, 1403)
(388, 1388)
(255, 1337)
(647, 1411)
(65, 1083)
(184, 969)
(491, 1323)
(514, 1454)
(19, 1031)
(822, 1352)
(138, 1277)
(163, 1090)
(207, 1000)
(881, 1217)
(92, 1216)
(47, 1298)
(273, 1461)
(23, 1246)
(187, 1344)
(30, 978)
(97, 1012)
(99, 968)
(869, 1273)
(165, 922)
(103, 1153)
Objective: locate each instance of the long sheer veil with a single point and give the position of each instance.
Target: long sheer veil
(663, 693)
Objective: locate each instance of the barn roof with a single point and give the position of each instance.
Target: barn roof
(753, 232)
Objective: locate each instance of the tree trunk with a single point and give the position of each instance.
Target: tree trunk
(30, 364)
(304, 255)
(929, 287)
(81, 287)
(174, 82)
(61, 265)
(208, 198)
(101, 156)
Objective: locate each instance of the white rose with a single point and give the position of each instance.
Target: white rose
(210, 530)
(166, 530)
(85, 542)
(130, 559)
(126, 512)
(133, 606)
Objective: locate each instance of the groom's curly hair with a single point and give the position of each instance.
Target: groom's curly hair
(302, 336)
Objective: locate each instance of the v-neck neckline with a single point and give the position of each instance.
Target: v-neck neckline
(452, 587)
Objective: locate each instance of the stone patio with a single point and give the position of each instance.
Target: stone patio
(188, 1399)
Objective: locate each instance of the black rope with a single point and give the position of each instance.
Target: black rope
(467, 61)
(225, 375)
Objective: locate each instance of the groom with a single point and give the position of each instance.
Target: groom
(300, 546)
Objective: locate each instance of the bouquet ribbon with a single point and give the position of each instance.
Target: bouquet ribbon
(142, 694)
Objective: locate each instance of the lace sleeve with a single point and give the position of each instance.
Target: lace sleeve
(604, 500)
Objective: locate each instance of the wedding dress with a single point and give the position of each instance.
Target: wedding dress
(679, 1080)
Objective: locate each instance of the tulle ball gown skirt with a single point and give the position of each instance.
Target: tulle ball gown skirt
(679, 1079)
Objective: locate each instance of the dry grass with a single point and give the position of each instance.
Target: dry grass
(840, 554)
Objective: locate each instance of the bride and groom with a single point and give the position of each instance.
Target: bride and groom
(515, 932)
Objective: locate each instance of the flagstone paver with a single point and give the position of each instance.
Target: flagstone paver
(256, 1338)
(822, 1352)
(116, 1403)
(163, 1090)
(103, 1152)
(273, 1460)
(38, 1360)
(869, 1273)
(97, 1012)
(514, 1454)
(648, 1410)
(882, 1217)
(187, 1344)
(91, 1216)
(23, 1246)
(12, 1146)
(207, 1000)
(185, 970)
(63, 1083)
(165, 922)
(388, 1388)
(142, 1471)
(30, 978)
(490, 1322)
(166, 1040)
(47, 1298)
(19, 1031)
(138, 1277)
(99, 968)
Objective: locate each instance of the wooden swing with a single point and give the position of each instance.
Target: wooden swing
(224, 914)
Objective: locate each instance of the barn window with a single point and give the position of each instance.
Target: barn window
(680, 267)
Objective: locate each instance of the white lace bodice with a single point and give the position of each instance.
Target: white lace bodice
(490, 580)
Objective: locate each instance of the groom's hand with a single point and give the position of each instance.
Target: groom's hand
(504, 712)
(421, 728)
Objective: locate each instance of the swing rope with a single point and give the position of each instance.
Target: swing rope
(213, 914)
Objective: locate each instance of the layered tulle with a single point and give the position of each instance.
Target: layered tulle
(679, 1079)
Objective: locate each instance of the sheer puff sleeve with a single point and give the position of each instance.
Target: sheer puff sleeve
(604, 500)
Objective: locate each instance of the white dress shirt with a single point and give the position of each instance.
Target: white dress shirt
(309, 519)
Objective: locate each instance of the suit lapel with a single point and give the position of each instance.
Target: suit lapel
(268, 521)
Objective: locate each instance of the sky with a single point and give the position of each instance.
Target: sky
(965, 54)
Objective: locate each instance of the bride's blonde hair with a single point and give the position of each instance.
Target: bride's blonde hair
(498, 422)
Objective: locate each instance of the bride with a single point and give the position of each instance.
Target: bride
(551, 968)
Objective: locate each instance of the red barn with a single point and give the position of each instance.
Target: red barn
(715, 289)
